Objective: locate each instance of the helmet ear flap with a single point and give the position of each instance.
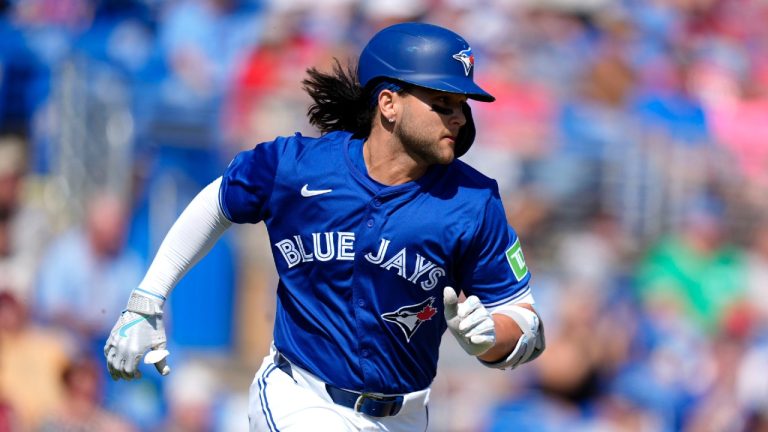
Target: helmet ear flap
(467, 133)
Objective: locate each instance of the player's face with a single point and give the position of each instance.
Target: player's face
(429, 124)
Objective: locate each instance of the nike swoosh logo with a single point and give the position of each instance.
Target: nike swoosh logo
(124, 329)
(305, 192)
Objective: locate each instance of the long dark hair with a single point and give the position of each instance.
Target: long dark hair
(339, 101)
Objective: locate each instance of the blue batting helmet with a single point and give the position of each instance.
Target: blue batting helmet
(424, 55)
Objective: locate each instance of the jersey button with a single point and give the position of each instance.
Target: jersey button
(361, 303)
(377, 202)
(369, 223)
(364, 353)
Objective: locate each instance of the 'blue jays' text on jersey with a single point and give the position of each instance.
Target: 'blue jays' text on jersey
(362, 266)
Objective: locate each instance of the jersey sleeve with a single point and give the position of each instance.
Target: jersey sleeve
(248, 181)
(494, 267)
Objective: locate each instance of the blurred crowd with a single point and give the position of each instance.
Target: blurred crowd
(629, 139)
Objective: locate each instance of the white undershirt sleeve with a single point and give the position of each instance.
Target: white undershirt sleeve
(190, 238)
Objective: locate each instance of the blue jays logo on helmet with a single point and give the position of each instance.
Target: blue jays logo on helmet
(467, 59)
(409, 318)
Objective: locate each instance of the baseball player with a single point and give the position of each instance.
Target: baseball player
(376, 228)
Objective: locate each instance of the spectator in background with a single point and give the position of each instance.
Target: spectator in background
(192, 392)
(31, 358)
(592, 126)
(556, 43)
(8, 422)
(757, 272)
(741, 126)
(720, 407)
(752, 384)
(83, 279)
(87, 272)
(24, 84)
(203, 40)
(665, 104)
(24, 229)
(594, 256)
(694, 273)
(263, 98)
(80, 409)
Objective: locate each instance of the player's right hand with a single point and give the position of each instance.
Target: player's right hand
(469, 322)
(133, 335)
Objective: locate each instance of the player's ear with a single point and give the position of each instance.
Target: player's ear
(387, 106)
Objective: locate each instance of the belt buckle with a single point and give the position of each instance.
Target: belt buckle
(361, 399)
(385, 405)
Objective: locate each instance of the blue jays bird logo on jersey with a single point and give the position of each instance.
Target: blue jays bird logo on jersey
(409, 318)
(467, 59)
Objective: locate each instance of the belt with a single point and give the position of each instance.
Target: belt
(369, 404)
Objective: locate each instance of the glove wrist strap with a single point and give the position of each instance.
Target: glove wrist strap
(144, 305)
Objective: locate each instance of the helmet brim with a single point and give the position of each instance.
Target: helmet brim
(457, 85)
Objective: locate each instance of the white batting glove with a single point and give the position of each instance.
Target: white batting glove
(138, 330)
(470, 323)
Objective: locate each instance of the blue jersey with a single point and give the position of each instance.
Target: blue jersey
(362, 266)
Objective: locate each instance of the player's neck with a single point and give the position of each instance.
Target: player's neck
(388, 163)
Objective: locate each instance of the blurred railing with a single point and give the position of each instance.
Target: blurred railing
(92, 135)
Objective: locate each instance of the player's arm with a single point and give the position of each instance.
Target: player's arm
(506, 331)
(520, 336)
(140, 327)
(508, 337)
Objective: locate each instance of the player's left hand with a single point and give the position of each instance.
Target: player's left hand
(469, 322)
